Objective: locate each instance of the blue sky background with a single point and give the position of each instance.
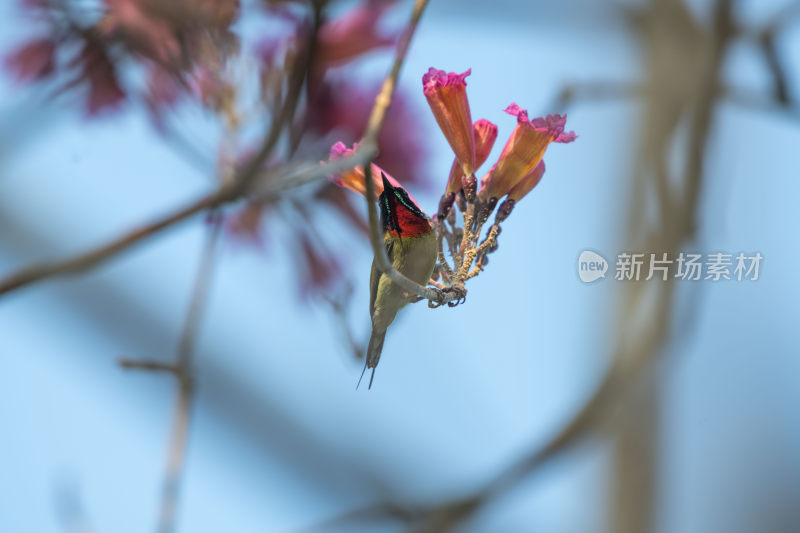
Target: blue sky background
(279, 437)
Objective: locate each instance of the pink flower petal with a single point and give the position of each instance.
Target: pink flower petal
(514, 109)
(447, 97)
(98, 70)
(340, 108)
(527, 183)
(33, 60)
(435, 79)
(163, 93)
(485, 134)
(523, 152)
(554, 124)
(354, 178)
(566, 137)
(354, 34)
(246, 224)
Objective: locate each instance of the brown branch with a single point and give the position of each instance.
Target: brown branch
(776, 67)
(450, 236)
(444, 266)
(180, 424)
(148, 365)
(294, 175)
(633, 356)
(33, 273)
(374, 125)
(228, 192)
(596, 91)
(375, 511)
(466, 254)
(759, 102)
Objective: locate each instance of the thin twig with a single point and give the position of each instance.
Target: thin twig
(180, 426)
(375, 511)
(490, 239)
(597, 91)
(631, 359)
(476, 235)
(339, 310)
(227, 192)
(479, 253)
(33, 273)
(180, 423)
(436, 284)
(148, 365)
(466, 254)
(759, 102)
(296, 175)
(445, 266)
(374, 125)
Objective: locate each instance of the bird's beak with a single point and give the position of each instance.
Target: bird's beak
(386, 185)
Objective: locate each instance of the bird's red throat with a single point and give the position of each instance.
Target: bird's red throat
(411, 224)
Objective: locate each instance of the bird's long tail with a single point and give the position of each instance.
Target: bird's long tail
(374, 350)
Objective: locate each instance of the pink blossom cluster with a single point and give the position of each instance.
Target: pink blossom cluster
(518, 169)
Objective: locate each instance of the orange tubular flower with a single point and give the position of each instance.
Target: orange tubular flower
(447, 96)
(523, 151)
(485, 133)
(353, 178)
(527, 183)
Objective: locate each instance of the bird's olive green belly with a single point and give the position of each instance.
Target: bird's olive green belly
(414, 257)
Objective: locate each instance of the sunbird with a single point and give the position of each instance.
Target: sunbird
(411, 246)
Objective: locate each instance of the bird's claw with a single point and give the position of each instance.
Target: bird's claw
(460, 297)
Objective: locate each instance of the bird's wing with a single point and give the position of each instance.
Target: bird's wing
(375, 277)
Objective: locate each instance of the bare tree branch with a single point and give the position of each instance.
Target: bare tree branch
(228, 191)
(759, 102)
(635, 353)
(374, 125)
(147, 365)
(183, 371)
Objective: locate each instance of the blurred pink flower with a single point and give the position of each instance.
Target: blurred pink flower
(354, 33)
(97, 70)
(144, 33)
(35, 8)
(163, 92)
(342, 108)
(32, 61)
(320, 269)
(246, 223)
(35, 4)
(355, 177)
(208, 86)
